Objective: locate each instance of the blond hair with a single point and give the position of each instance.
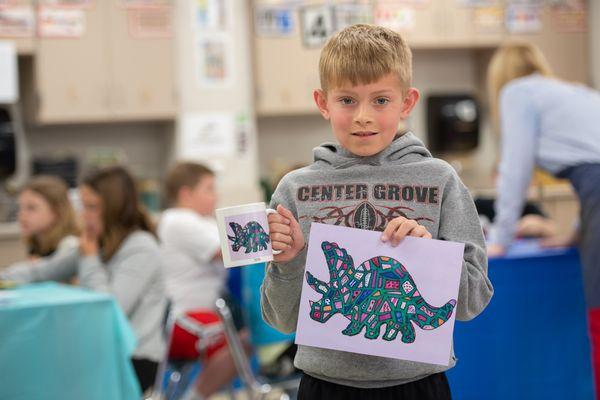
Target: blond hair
(511, 61)
(363, 54)
(184, 174)
(55, 193)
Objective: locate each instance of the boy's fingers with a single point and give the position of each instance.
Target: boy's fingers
(284, 211)
(294, 225)
(277, 218)
(287, 214)
(403, 230)
(276, 245)
(281, 238)
(419, 231)
(280, 228)
(391, 228)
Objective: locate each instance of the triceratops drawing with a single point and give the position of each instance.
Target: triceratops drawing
(380, 291)
(252, 236)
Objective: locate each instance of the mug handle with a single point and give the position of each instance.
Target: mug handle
(271, 211)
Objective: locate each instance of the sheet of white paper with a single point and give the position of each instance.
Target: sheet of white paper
(9, 90)
(364, 296)
(202, 136)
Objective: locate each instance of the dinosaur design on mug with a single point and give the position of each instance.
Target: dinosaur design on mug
(252, 236)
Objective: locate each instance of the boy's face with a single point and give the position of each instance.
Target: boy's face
(365, 117)
(201, 198)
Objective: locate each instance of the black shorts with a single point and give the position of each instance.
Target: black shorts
(145, 371)
(433, 387)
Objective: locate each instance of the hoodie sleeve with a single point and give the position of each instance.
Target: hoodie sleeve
(282, 285)
(459, 223)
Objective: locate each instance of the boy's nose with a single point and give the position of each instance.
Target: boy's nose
(362, 116)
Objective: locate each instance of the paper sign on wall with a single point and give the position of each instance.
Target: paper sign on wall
(477, 3)
(569, 16)
(17, 21)
(489, 19)
(395, 17)
(351, 14)
(61, 22)
(415, 3)
(68, 3)
(570, 21)
(150, 22)
(214, 15)
(214, 60)
(144, 3)
(521, 18)
(317, 25)
(364, 296)
(204, 136)
(273, 21)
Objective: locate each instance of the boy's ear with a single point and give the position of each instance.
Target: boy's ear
(410, 100)
(321, 102)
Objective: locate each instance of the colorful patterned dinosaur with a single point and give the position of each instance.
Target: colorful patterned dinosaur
(252, 236)
(380, 291)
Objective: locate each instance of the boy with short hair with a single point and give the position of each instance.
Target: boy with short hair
(374, 178)
(195, 275)
(194, 272)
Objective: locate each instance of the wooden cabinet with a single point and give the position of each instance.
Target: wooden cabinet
(285, 74)
(142, 69)
(286, 71)
(71, 74)
(107, 74)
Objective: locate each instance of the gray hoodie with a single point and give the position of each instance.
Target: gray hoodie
(366, 192)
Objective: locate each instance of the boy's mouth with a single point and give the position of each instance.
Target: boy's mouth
(364, 134)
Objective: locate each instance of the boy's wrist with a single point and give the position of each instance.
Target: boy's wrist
(289, 269)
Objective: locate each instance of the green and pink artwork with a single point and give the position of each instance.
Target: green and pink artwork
(396, 302)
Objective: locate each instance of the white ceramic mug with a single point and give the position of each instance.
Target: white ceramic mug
(244, 234)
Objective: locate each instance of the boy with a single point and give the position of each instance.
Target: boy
(195, 275)
(396, 187)
(190, 239)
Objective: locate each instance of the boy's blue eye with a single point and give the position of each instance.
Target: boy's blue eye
(346, 100)
(381, 101)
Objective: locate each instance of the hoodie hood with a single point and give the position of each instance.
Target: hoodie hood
(404, 149)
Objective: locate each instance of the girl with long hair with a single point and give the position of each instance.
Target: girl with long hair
(48, 229)
(120, 255)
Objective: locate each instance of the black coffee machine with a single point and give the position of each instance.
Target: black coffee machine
(452, 123)
(8, 159)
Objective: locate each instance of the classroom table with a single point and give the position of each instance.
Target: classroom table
(531, 342)
(61, 342)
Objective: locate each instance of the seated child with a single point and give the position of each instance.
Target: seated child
(49, 229)
(194, 272)
(120, 255)
(366, 93)
(195, 275)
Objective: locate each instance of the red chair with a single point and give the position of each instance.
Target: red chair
(192, 337)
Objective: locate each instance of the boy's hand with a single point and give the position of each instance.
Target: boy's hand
(286, 234)
(400, 227)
